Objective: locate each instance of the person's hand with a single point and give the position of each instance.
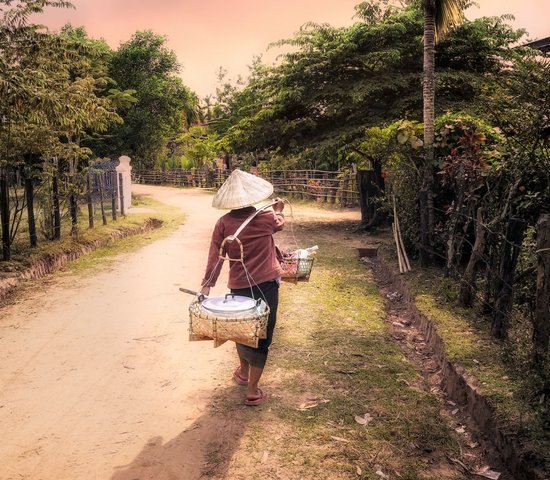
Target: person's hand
(279, 206)
(205, 291)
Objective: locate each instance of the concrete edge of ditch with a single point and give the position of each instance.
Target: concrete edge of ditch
(53, 262)
(462, 389)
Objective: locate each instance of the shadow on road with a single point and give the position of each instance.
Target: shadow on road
(202, 450)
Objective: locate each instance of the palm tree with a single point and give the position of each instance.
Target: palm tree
(439, 17)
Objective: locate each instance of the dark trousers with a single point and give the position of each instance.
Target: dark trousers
(269, 291)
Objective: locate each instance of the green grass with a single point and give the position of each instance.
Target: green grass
(333, 352)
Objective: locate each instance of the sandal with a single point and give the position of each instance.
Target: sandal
(260, 398)
(237, 377)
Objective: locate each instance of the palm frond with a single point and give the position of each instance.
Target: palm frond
(448, 14)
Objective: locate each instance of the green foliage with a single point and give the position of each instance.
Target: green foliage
(163, 108)
(335, 82)
(50, 88)
(51, 102)
(197, 147)
(520, 107)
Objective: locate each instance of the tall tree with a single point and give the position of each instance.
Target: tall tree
(50, 86)
(20, 87)
(439, 17)
(314, 106)
(164, 107)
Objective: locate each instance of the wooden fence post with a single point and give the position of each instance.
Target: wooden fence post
(89, 184)
(121, 194)
(113, 194)
(541, 321)
(343, 184)
(29, 194)
(56, 208)
(5, 214)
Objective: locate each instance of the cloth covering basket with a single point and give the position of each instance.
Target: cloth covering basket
(296, 269)
(247, 330)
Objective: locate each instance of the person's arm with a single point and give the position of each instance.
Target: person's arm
(214, 264)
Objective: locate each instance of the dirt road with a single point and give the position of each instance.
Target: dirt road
(97, 369)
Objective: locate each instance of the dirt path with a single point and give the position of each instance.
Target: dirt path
(97, 372)
(96, 369)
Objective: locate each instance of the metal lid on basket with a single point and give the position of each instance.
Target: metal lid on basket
(229, 304)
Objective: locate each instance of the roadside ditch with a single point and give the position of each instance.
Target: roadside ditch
(481, 432)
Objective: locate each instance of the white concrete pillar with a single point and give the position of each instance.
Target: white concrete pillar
(125, 169)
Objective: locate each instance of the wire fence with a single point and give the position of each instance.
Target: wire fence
(42, 207)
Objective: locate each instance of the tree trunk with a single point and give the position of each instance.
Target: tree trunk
(29, 193)
(5, 215)
(56, 208)
(453, 220)
(425, 241)
(541, 321)
(370, 184)
(103, 216)
(490, 286)
(428, 95)
(505, 282)
(74, 213)
(468, 281)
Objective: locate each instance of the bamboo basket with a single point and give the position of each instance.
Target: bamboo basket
(297, 269)
(247, 330)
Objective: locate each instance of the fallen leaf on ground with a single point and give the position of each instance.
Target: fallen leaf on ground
(363, 420)
(460, 429)
(264, 456)
(307, 405)
(359, 471)
(487, 473)
(381, 474)
(340, 439)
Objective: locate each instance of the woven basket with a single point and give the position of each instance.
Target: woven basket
(246, 330)
(297, 269)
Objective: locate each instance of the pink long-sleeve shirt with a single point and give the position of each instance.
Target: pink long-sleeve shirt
(260, 257)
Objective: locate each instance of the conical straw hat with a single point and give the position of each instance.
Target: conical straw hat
(241, 190)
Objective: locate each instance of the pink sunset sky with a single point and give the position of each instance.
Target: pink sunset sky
(208, 34)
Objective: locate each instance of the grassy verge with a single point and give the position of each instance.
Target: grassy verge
(501, 368)
(171, 217)
(345, 402)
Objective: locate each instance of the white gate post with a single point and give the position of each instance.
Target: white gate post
(125, 169)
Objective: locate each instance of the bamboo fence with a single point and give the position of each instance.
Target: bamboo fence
(338, 188)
